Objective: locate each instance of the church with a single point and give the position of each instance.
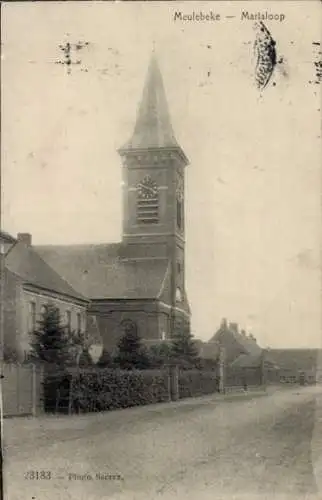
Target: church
(138, 283)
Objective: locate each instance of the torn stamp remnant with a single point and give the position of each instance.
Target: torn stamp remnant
(265, 55)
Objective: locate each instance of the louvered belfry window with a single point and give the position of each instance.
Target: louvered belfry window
(147, 201)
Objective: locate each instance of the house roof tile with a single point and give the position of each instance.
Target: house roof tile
(296, 359)
(249, 345)
(24, 261)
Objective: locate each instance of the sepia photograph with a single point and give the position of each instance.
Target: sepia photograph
(160, 250)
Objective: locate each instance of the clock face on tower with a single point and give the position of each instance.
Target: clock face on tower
(147, 188)
(147, 201)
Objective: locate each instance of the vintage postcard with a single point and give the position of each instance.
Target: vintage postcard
(161, 250)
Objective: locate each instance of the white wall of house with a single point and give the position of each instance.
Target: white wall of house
(32, 304)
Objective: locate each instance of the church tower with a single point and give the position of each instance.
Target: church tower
(154, 189)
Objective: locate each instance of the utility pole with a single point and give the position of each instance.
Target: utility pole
(1, 370)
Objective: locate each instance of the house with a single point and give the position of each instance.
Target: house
(238, 356)
(28, 284)
(236, 344)
(297, 364)
(243, 354)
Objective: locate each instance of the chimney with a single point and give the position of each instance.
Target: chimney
(24, 238)
(233, 327)
(223, 324)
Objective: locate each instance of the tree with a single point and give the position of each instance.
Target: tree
(85, 359)
(160, 354)
(105, 360)
(50, 342)
(184, 349)
(79, 348)
(131, 353)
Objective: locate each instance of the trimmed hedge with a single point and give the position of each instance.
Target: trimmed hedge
(193, 383)
(100, 389)
(106, 389)
(239, 377)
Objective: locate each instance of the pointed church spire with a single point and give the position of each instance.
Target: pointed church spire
(153, 128)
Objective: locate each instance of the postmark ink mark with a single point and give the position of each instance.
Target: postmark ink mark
(265, 55)
(69, 49)
(317, 53)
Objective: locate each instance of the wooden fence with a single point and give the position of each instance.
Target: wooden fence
(21, 389)
(25, 393)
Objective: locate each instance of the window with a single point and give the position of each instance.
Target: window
(178, 295)
(43, 310)
(79, 321)
(147, 201)
(179, 214)
(26, 355)
(163, 335)
(32, 316)
(180, 198)
(68, 320)
(129, 327)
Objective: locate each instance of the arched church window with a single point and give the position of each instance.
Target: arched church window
(179, 214)
(147, 201)
(43, 309)
(178, 295)
(129, 327)
(179, 201)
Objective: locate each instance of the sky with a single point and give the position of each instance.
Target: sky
(253, 186)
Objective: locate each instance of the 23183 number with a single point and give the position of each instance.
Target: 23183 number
(38, 474)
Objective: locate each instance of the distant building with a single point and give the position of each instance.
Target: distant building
(237, 345)
(241, 360)
(242, 352)
(296, 364)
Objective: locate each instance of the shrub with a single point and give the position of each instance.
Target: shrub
(184, 349)
(105, 360)
(132, 354)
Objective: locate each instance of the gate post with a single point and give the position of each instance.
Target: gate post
(168, 376)
(33, 390)
(70, 395)
(174, 382)
(263, 374)
(18, 374)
